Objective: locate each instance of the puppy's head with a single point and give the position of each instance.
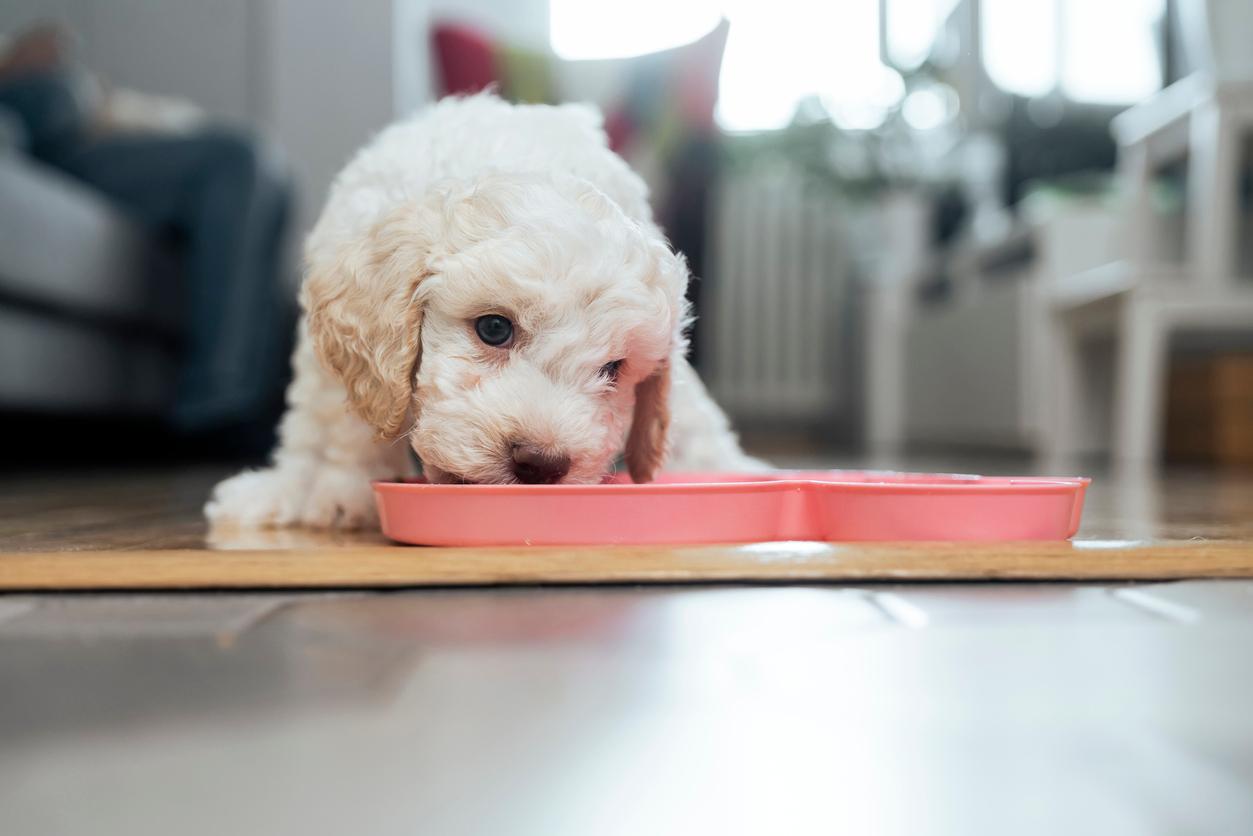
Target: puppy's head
(516, 328)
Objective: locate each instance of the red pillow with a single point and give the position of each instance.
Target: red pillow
(466, 59)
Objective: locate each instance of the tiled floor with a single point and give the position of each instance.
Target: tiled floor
(913, 709)
(938, 709)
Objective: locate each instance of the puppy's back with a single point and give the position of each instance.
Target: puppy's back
(465, 137)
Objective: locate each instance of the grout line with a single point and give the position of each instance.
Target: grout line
(1158, 607)
(900, 611)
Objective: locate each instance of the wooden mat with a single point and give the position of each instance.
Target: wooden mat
(397, 566)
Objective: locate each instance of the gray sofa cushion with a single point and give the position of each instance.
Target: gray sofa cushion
(64, 248)
(55, 366)
(12, 133)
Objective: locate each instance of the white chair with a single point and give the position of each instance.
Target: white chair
(1140, 301)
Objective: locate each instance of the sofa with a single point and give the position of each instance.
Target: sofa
(88, 300)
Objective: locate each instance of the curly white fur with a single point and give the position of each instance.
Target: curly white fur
(478, 207)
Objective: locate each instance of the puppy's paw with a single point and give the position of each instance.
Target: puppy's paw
(339, 497)
(260, 498)
(313, 494)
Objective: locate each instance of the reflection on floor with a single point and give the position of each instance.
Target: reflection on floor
(887, 709)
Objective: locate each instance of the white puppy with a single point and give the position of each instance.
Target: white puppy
(486, 284)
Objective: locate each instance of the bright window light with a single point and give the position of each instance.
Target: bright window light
(912, 26)
(778, 52)
(1091, 50)
(1020, 44)
(590, 29)
(1110, 52)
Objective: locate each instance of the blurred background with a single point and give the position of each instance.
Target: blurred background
(999, 225)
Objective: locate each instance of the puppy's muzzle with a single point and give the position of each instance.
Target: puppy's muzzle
(533, 465)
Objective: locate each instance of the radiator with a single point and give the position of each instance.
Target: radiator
(777, 290)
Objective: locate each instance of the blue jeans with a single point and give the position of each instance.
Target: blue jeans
(228, 209)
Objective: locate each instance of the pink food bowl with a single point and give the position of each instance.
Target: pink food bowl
(830, 505)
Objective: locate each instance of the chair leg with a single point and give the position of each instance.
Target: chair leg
(1214, 181)
(885, 373)
(1062, 382)
(1139, 384)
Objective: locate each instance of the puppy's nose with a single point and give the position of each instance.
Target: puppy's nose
(536, 466)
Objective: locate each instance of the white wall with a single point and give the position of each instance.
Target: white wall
(328, 66)
(197, 50)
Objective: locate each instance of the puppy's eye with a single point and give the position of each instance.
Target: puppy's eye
(494, 329)
(610, 370)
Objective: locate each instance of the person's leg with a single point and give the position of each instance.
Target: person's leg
(235, 231)
(50, 110)
(215, 191)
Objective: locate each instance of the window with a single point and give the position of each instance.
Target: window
(1089, 50)
(912, 27)
(778, 52)
(590, 29)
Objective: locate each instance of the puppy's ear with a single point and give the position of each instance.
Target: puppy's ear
(363, 315)
(648, 442)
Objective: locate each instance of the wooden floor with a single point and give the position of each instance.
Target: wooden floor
(897, 710)
(144, 530)
(812, 707)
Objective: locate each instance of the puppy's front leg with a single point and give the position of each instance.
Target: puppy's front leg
(321, 471)
(701, 438)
